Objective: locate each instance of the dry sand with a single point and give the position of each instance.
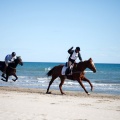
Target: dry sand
(34, 104)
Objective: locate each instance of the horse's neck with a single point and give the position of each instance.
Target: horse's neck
(14, 65)
(81, 66)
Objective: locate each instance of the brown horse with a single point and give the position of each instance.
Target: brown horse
(77, 74)
(11, 69)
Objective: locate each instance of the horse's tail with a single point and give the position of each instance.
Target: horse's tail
(50, 72)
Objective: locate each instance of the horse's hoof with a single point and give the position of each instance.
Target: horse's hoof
(48, 92)
(63, 93)
(88, 93)
(3, 80)
(13, 80)
(92, 89)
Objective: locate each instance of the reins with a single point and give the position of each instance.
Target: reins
(77, 72)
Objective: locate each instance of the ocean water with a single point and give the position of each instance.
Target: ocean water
(33, 75)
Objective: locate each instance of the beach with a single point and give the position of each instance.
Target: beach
(35, 104)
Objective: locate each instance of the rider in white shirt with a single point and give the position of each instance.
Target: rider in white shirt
(8, 59)
(74, 54)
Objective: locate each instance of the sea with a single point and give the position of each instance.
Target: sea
(33, 75)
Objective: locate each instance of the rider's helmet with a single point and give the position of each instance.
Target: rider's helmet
(13, 54)
(78, 48)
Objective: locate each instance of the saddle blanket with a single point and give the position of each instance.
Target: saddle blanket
(63, 70)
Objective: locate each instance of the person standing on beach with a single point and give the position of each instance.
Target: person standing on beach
(8, 59)
(74, 54)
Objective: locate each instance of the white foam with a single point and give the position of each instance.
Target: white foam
(47, 69)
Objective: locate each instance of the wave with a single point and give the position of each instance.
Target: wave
(43, 82)
(45, 78)
(47, 69)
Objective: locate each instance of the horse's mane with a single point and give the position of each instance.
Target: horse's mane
(15, 61)
(18, 57)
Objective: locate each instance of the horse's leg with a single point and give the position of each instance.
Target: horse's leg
(80, 82)
(5, 78)
(53, 78)
(85, 79)
(3, 75)
(60, 85)
(15, 77)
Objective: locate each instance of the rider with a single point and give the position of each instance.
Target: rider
(8, 59)
(74, 54)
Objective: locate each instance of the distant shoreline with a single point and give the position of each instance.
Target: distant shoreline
(61, 62)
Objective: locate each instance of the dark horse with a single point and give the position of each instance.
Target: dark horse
(11, 69)
(77, 74)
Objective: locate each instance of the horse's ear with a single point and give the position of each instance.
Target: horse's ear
(18, 57)
(90, 59)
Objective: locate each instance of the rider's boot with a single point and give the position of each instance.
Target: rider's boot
(67, 71)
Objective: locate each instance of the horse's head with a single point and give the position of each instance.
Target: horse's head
(91, 65)
(18, 60)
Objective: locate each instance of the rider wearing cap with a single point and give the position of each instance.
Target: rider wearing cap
(74, 54)
(8, 59)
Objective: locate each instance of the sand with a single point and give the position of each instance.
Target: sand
(34, 104)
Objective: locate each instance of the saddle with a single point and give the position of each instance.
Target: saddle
(67, 70)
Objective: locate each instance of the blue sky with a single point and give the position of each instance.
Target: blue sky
(43, 30)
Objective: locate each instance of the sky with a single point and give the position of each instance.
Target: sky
(44, 30)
